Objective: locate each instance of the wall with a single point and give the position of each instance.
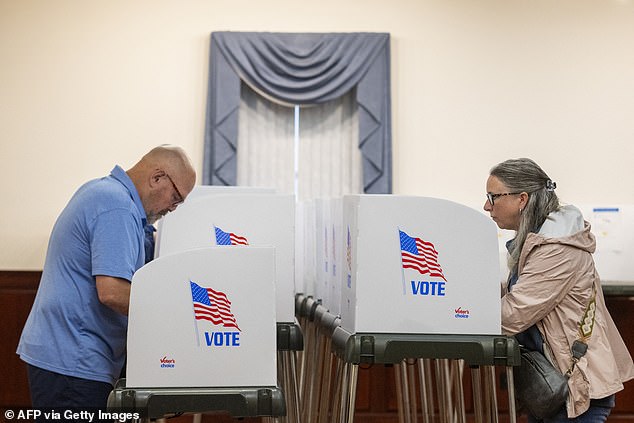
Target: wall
(88, 84)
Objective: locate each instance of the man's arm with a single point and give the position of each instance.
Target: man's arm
(114, 293)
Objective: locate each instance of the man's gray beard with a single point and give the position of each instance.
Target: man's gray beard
(152, 219)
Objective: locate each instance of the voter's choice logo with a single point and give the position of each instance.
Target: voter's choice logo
(419, 260)
(212, 309)
(167, 363)
(229, 238)
(461, 313)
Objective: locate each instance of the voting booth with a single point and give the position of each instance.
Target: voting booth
(214, 217)
(196, 336)
(415, 284)
(430, 264)
(231, 217)
(337, 256)
(305, 252)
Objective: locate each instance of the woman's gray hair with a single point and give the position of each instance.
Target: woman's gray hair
(524, 175)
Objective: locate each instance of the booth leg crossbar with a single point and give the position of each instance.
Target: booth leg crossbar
(158, 403)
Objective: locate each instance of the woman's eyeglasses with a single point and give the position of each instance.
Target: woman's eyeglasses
(491, 197)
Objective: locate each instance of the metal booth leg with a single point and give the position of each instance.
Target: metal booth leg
(511, 393)
(442, 387)
(399, 381)
(476, 384)
(311, 403)
(303, 361)
(349, 393)
(457, 368)
(294, 388)
(287, 374)
(426, 389)
(323, 351)
(406, 392)
(325, 402)
(450, 390)
(411, 378)
(310, 371)
(491, 399)
(338, 396)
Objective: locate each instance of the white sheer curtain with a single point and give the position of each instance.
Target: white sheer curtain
(329, 155)
(329, 159)
(265, 143)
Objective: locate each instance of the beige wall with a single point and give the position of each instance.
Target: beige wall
(88, 84)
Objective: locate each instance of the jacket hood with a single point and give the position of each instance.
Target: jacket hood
(565, 226)
(563, 222)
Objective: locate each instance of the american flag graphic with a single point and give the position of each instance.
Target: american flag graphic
(420, 255)
(229, 238)
(213, 306)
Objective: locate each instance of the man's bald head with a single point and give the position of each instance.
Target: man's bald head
(163, 178)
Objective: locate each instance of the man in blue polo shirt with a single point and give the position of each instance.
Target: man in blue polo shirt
(74, 338)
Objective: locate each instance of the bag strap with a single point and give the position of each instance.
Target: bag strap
(586, 325)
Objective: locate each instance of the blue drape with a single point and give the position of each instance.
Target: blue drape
(302, 69)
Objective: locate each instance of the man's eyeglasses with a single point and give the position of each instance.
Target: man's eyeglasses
(177, 200)
(491, 197)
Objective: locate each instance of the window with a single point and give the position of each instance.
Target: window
(309, 151)
(307, 70)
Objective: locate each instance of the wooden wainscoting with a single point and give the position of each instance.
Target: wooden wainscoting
(376, 392)
(17, 292)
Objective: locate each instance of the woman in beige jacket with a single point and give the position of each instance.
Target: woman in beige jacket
(552, 280)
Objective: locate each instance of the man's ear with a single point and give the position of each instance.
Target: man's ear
(156, 176)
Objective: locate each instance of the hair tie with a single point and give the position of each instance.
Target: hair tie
(551, 185)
